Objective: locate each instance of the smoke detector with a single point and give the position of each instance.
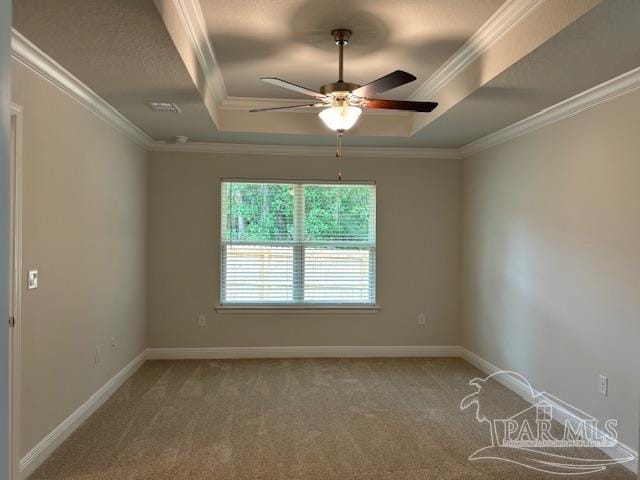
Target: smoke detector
(167, 107)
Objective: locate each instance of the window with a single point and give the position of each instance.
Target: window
(294, 243)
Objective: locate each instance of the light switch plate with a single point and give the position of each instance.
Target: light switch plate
(32, 279)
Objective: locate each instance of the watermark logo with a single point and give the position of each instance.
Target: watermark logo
(549, 436)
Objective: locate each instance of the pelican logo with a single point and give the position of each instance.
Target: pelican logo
(544, 436)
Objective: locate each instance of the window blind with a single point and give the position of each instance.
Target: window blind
(298, 243)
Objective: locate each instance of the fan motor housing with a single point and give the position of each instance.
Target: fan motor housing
(341, 35)
(338, 87)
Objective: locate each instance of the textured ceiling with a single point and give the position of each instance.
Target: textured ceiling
(291, 39)
(122, 50)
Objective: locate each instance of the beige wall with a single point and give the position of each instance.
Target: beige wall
(418, 205)
(551, 259)
(84, 229)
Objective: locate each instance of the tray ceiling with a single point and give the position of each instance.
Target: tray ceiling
(130, 54)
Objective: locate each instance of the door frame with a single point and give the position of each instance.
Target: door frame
(15, 283)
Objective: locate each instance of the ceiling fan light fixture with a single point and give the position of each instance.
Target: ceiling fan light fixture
(340, 118)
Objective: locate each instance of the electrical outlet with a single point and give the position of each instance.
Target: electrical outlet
(422, 318)
(603, 385)
(113, 342)
(32, 279)
(202, 321)
(97, 358)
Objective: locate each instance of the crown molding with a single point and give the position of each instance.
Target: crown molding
(304, 151)
(625, 83)
(191, 15)
(505, 18)
(620, 85)
(25, 52)
(186, 25)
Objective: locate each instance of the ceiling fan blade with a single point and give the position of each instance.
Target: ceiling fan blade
(278, 82)
(392, 80)
(307, 105)
(399, 105)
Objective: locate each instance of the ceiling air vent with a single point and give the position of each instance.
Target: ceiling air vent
(164, 107)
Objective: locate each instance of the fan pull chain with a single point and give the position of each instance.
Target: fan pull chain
(339, 154)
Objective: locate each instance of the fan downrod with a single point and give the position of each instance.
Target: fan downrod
(341, 37)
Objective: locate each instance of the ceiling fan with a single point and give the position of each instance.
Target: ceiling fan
(342, 102)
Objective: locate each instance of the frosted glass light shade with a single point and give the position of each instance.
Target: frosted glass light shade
(340, 118)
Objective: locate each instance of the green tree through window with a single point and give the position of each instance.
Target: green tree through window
(336, 212)
(260, 211)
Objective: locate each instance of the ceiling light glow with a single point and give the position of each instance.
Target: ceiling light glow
(340, 118)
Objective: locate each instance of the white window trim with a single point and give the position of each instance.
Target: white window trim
(299, 307)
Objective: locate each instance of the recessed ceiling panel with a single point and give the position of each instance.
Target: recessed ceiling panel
(291, 39)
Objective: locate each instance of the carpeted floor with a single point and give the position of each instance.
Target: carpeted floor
(324, 419)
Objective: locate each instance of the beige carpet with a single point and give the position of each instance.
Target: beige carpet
(329, 419)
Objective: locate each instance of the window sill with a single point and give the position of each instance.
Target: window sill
(298, 308)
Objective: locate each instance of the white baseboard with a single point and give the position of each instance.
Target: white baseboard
(522, 390)
(486, 367)
(48, 444)
(302, 352)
